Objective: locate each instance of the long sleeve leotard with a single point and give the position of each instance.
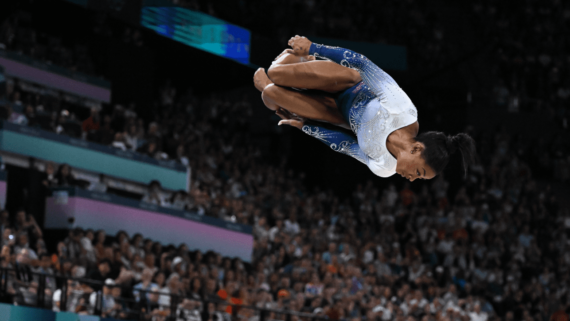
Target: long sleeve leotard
(379, 106)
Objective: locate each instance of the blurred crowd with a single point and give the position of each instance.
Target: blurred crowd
(496, 248)
(17, 34)
(532, 64)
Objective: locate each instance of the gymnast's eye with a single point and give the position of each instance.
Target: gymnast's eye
(418, 172)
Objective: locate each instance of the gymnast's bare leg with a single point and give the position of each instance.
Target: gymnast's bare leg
(309, 105)
(290, 70)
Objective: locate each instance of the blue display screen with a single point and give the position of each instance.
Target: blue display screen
(199, 30)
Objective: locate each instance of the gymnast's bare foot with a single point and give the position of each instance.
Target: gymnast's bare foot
(260, 79)
(288, 56)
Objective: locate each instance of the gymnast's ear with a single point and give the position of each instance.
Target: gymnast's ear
(417, 147)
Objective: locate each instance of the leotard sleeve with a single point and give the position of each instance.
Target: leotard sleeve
(337, 139)
(377, 79)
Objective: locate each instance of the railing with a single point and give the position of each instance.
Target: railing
(24, 282)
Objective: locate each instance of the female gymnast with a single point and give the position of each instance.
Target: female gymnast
(374, 120)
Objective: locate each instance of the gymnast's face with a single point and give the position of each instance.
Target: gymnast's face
(412, 166)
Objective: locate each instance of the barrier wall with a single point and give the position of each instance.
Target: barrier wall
(77, 83)
(3, 188)
(10, 312)
(113, 213)
(89, 156)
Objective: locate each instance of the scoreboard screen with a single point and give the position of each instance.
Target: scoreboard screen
(199, 30)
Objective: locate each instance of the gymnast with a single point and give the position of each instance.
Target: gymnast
(344, 100)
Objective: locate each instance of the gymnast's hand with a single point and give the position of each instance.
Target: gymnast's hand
(285, 52)
(300, 45)
(288, 118)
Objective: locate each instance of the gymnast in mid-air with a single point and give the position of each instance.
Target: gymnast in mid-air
(343, 99)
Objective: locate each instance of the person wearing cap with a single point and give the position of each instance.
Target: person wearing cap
(177, 265)
(107, 299)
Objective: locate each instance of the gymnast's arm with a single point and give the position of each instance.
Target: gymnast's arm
(339, 140)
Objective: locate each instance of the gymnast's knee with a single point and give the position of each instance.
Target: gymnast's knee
(268, 96)
(276, 74)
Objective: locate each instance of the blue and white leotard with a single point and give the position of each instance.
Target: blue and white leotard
(374, 108)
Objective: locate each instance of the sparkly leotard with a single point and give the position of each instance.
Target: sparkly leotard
(374, 108)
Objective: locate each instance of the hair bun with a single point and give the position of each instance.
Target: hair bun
(452, 144)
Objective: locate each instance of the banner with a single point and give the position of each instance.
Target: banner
(74, 207)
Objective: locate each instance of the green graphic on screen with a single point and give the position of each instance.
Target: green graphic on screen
(199, 30)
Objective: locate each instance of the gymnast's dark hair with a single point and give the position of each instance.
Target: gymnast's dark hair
(439, 148)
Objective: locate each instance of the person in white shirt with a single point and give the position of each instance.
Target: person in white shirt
(477, 314)
(275, 230)
(172, 288)
(291, 225)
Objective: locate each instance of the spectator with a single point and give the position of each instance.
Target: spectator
(131, 137)
(64, 176)
(4, 225)
(26, 224)
(119, 142)
(154, 195)
(74, 294)
(172, 288)
(100, 244)
(49, 179)
(101, 273)
(22, 244)
(108, 306)
(178, 200)
(30, 115)
(106, 134)
(87, 247)
(98, 186)
(291, 224)
(149, 149)
(75, 251)
(93, 123)
(525, 238)
(146, 284)
(477, 314)
(16, 118)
